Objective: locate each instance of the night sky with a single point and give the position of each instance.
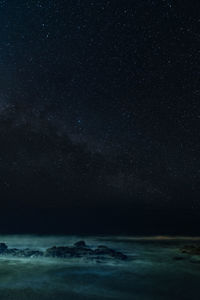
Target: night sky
(99, 116)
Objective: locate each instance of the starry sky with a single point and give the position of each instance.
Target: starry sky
(99, 116)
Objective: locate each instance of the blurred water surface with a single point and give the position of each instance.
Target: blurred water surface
(150, 273)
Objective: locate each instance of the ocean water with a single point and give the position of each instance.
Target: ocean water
(150, 273)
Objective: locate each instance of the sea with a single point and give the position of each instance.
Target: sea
(155, 270)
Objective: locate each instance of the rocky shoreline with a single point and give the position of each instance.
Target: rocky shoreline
(79, 249)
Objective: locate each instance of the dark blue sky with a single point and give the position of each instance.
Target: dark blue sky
(111, 91)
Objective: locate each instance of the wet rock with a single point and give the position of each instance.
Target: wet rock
(30, 253)
(120, 255)
(67, 251)
(59, 252)
(80, 249)
(12, 251)
(80, 244)
(102, 247)
(3, 247)
(195, 261)
(178, 258)
(23, 252)
(105, 251)
(191, 249)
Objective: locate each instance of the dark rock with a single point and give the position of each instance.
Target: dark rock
(81, 250)
(23, 252)
(30, 253)
(195, 261)
(78, 250)
(105, 251)
(80, 244)
(3, 247)
(12, 251)
(59, 252)
(178, 258)
(191, 249)
(68, 251)
(120, 255)
(102, 247)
